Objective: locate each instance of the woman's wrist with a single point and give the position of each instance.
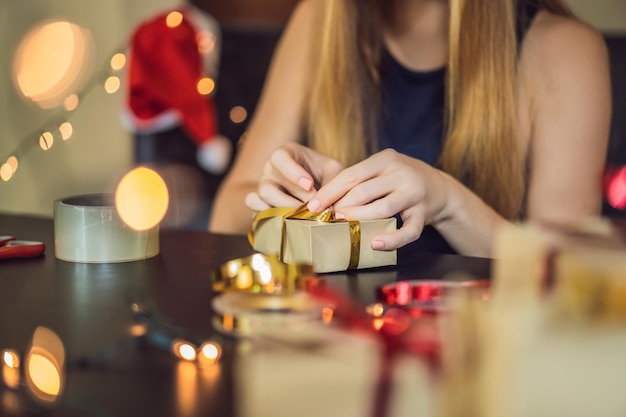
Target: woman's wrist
(451, 201)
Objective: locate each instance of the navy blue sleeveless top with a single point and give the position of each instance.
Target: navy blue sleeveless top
(412, 122)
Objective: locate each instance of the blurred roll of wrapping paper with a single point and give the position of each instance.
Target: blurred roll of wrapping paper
(551, 341)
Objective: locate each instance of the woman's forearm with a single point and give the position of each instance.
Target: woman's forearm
(468, 224)
(229, 214)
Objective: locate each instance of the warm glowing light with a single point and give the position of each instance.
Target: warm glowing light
(186, 382)
(238, 114)
(206, 42)
(66, 130)
(377, 324)
(52, 60)
(262, 268)
(138, 330)
(244, 278)
(228, 322)
(375, 310)
(112, 84)
(11, 359)
(174, 19)
(142, 199)
(210, 351)
(46, 140)
(327, 315)
(403, 293)
(6, 172)
(118, 61)
(71, 102)
(206, 86)
(12, 161)
(184, 350)
(44, 365)
(616, 193)
(10, 368)
(233, 268)
(44, 374)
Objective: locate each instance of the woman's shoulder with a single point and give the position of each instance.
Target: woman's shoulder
(562, 41)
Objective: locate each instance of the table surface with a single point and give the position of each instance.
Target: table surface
(88, 306)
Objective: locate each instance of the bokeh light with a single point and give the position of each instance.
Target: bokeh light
(616, 193)
(184, 350)
(12, 161)
(141, 199)
(112, 84)
(327, 315)
(44, 374)
(66, 130)
(206, 42)
(210, 351)
(6, 172)
(174, 19)
(238, 114)
(10, 368)
(51, 61)
(44, 365)
(46, 140)
(206, 86)
(71, 102)
(118, 61)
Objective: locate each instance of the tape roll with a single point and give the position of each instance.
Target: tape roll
(88, 229)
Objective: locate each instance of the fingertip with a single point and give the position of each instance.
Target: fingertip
(378, 244)
(313, 205)
(305, 183)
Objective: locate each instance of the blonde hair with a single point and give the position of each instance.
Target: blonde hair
(481, 147)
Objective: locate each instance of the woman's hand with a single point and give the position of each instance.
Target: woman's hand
(385, 184)
(291, 177)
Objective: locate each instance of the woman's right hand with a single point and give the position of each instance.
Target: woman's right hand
(291, 177)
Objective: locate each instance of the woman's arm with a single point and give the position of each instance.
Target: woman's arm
(277, 120)
(568, 78)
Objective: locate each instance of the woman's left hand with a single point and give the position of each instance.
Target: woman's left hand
(383, 185)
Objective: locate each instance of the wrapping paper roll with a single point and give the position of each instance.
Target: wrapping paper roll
(87, 228)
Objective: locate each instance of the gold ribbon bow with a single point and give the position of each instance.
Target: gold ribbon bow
(302, 213)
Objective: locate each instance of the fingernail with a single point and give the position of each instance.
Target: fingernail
(340, 216)
(378, 244)
(305, 183)
(313, 205)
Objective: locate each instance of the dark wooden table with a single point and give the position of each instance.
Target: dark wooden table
(88, 306)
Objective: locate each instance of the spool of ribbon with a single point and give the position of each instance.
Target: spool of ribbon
(302, 213)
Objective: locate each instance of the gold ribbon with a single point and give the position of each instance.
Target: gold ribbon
(263, 274)
(302, 213)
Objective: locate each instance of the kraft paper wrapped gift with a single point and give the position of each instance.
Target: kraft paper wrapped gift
(327, 244)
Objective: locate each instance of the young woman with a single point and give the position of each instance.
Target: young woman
(456, 115)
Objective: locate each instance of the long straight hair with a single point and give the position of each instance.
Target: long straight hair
(481, 145)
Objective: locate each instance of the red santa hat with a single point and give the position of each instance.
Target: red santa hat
(169, 56)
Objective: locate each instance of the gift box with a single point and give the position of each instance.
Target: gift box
(329, 246)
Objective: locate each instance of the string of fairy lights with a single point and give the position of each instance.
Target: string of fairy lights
(59, 126)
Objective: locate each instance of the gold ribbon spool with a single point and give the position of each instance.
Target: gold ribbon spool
(302, 213)
(262, 274)
(243, 313)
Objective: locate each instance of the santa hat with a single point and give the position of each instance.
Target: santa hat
(169, 55)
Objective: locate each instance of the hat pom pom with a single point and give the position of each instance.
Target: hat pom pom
(214, 155)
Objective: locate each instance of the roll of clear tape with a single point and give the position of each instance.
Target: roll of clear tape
(88, 229)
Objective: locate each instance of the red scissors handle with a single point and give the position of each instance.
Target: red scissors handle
(5, 239)
(21, 249)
